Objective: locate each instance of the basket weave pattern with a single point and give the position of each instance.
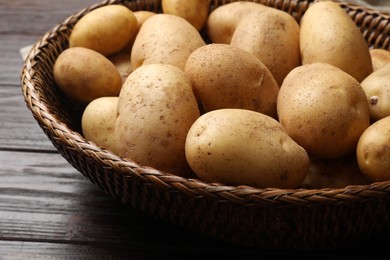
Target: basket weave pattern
(264, 218)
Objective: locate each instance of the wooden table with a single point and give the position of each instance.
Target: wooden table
(49, 210)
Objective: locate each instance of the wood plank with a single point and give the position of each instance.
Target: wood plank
(19, 130)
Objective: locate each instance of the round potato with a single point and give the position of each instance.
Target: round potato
(334, 173)
(324, 109)
(373, 153)
(379, 58)
(121, 60)
(98, 122)
(106, 29)
(377, 89)
(273, 37)
(88, 77)
(165, 39)
(232, 78)
(194, 11)
(156, 108)
(329, 35)
(243, 147)
(222, 21)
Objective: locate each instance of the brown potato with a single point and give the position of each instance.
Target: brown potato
(379, 58)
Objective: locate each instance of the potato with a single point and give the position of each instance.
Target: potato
(334, 173)
(243, 147)
(222, 21)
(121, 60)
(379, 58)
(273, 37)
(232, 78)
(377, 89)
(156, 108)
(329, 35)
(194, 11)
(98, 122)
(324, 109)
(373, 153)
(106, 29)
(165, 39)
(88, 77)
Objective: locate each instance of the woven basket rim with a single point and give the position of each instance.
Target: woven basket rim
(195, 187)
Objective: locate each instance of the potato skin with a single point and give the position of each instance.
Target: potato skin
(379, 58)
(373, 153)
(98, 122)
(224, 76)
(323, 109)
(222, 21)
(156, 108)
(88, 77)
(329, 35)
(153, 46)
(273, 37)
(106, 30)
(194, 11)
(243, 147)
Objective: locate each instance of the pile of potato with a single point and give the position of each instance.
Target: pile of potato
(242, 94)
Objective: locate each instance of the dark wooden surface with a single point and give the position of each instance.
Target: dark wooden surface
(48, 210)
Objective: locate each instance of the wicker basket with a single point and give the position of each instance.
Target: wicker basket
(299, 219)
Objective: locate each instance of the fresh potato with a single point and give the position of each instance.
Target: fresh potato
(243, 147)
(324, 109)
(165, 39)
(373, 153)
(106, 29)
(232, 78)
(88, 76)
(377, 89)
(156, 108)
(222, 21)
(334, 173)
(121, 60)
(98, 122)
(379, 58)
(273, 37)
(194, 11)
(329, 35)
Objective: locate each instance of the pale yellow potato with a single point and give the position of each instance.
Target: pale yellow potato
(121, 60)
(373, 153)
(243, 147)
(329, 35)
(273, 37)
(224, 76)
(165, 39)
(223, 20)
(84, 74)
(324, 109)
(156, 108)
(98, 122)
(377, 89)
(194, 11)
(106, 29)
(379, 58)
(334, 173)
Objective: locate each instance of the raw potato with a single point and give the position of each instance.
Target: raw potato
(324, 109)
(165, 39)
(232, 78)
(243, 147)
(373, 153)
(194, 11)
(106, 30)
(273, 37)
(377, 89)
(88, 77)
(222, 21)
(121, 60)
(98, 122)
(379, 58)
(156, 109)
(335, 173)
(329, 35)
